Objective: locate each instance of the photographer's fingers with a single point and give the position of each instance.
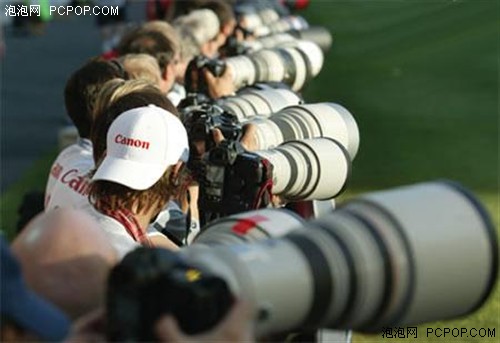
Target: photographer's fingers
(167, 330)
(217, 136)
(237, 326)
(219, 86)
(248, 140)
(88, 328)
(211, 83)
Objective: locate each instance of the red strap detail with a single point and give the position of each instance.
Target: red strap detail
(109, 55)
(303, 208)
(267, 186)
(128, 220)
(246, 224)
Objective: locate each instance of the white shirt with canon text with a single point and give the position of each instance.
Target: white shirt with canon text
(68, 184)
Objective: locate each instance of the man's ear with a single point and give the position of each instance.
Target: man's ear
(164, 82)
(164, 73)
(174, 175)
(228, 28)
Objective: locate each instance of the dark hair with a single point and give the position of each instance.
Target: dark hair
(154, 43)
(127, 102)
(82, 89)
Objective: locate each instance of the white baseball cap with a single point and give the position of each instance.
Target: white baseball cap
(141, 144)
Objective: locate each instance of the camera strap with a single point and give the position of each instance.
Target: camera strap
(130, 223)
(264, 194)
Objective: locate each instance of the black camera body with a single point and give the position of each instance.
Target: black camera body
(232, 181)
(195, 79)
(149, 283)
(233, 46)
(200, 121)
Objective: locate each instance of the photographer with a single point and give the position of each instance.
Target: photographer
(225, 15)
(200, 29)
(140, 167)
(67, 184)
(156, 44)
(26, 316)
(177, 92)
(66, 258)
(203, 25)
(171, 221)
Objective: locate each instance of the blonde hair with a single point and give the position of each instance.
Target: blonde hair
(142, 67)
(115, 89)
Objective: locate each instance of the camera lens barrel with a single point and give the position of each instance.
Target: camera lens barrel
(332, 120)
(309, 169)
(449, 240)
(409, 255)
(250, 102)
(293, 63)
(267, 133)
(309, 121)
(317, 34)
(249, 227)
(243, 69)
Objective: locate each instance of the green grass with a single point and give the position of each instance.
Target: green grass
(34, 179)
(421, 79)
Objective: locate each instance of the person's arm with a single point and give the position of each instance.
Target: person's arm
(159, 240)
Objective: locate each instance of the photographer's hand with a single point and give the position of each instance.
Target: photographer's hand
(89, 328)
(237, 326)
(219, 86)
(247, 140)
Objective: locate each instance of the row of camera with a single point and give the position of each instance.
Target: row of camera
(303, 151)
(377, 262)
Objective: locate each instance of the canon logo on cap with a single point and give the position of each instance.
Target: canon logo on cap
(131, 142)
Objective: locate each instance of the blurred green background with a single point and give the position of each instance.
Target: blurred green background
(421, 79)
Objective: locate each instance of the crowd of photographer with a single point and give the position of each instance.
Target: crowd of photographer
(192, 130)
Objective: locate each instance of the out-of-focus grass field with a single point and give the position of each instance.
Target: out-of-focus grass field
(421, 79)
